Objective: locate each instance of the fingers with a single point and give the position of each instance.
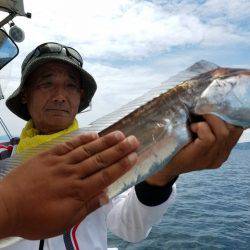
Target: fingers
(107, 157)
(215, 140)
(210, 150)
(235, 134)
(225, 133)
(87, 150)
(99, 181)
(219, 150)
(218, 127)
(210, 142)
(205, 138)
(70, 145)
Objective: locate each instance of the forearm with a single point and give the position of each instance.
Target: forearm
(164, 176)
(5, 222)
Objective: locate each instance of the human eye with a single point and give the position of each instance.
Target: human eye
(73, 86)
(44, 85)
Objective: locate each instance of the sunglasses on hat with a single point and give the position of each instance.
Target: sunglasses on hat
(54, 48)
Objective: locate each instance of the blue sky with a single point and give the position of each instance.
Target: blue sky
(131, 46)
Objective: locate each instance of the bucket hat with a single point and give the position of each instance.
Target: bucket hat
(44, 53)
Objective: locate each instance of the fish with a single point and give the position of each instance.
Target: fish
(160, 120)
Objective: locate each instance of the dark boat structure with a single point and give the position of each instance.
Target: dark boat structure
(9, 9)
(13, 8)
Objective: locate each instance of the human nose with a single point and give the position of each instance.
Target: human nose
(59, 95)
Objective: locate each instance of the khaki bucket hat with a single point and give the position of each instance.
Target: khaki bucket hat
(42, 54)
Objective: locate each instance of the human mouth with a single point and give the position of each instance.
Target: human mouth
(57, 111)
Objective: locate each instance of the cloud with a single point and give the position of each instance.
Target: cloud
(230, 10)
(131, 46)
(135, 29)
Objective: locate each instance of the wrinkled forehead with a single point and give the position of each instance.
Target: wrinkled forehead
(55, 68)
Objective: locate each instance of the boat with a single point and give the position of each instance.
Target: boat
(8, 51)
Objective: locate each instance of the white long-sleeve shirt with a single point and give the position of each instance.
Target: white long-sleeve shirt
(124, 216)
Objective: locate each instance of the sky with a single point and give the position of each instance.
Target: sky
(131, 46)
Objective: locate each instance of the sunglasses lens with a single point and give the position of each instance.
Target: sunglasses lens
(50, 48)
(75, 54)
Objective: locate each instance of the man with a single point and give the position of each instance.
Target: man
(53, 89)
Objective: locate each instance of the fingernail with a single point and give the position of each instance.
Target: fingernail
(131, 140)
(132, 158)
(118, 135)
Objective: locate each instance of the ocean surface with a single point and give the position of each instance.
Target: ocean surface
(211, 211)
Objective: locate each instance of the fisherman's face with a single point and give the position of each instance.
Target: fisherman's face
(53, 96)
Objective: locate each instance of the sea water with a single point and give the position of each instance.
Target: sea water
(211, 211)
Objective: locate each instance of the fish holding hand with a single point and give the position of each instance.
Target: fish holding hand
(225, 109)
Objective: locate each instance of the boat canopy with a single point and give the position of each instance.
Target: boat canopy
(13, 6)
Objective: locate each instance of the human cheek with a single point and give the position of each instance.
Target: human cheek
(74, 104)
(40, 102)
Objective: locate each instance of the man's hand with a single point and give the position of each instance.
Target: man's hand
(58, 188)
(214, 142)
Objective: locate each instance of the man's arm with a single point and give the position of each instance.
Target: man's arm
(132, 217)
(132, 220)
(58, 188)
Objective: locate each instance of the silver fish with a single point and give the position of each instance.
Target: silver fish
(160, 120)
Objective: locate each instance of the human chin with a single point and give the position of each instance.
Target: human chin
(57, 124)
(60, 121)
